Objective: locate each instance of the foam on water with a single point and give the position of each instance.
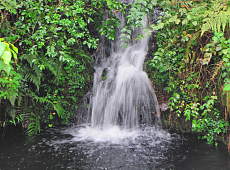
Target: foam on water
(115, 135)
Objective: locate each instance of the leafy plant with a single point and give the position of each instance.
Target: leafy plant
(34, 123)
(216, 16)
(55, 40)
(191, 62)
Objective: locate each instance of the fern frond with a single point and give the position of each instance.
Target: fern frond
(20, 95)
(57, 106)
(34, 123)
(224, 18)
(60, 110)
(51, 65)
(32, 73)
(40, 99)
(205, 27)
(200, 8)
(37, 71)
(216, 18)
(30, 58)
(189, 44)
(12, 97)
(33, 78)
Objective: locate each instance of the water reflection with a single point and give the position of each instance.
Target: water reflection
(59, 148)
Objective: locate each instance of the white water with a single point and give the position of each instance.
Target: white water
(125, 97)
(115, 135)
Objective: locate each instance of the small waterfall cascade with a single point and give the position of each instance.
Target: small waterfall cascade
(122, 92)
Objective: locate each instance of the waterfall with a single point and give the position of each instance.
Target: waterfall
(122, 92)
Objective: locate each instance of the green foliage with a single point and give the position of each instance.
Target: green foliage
(216, 16)
(34, 123)
(192, 61)
(58, 34)
(209, 123)
(204, 117)
(55, 41)
(6, 52)
(9, 79)
(9, 5)
(136, 16)
(109, 20)
(52, 35)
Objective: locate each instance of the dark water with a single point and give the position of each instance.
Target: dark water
(53, 149)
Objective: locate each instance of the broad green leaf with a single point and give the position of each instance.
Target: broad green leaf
(6, 56)
(161, 25)
(218, 47)
(194, 23)
(226, 87)
(14, 54)
(14, 48)
(185, 21)
(225, 51)
(2, 48)
(7, 68)
(193, 123)
(109, 2)
(12, 98)
(150, 6)
(7, 47)
(154, 2)
(1, 65)
(144, 3)
(177, 21)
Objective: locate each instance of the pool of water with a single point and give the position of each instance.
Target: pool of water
(79, 147)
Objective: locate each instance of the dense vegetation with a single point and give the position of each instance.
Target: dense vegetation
(46, 65)
(192, 62)
(47, 75)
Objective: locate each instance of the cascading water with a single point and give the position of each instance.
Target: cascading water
(122, 93)
(126, 95)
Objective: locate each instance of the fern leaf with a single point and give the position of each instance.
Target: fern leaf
(34, 123)
(50, 65)
(212, 24)
(60, 110)
(189, 45)
(30, 58)
(33, 78)
(200, 8)
(41, 99)
(12, 97)
(205, 27)
(224, 17)
(37, 71)
(216, 18)
(218, 24)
